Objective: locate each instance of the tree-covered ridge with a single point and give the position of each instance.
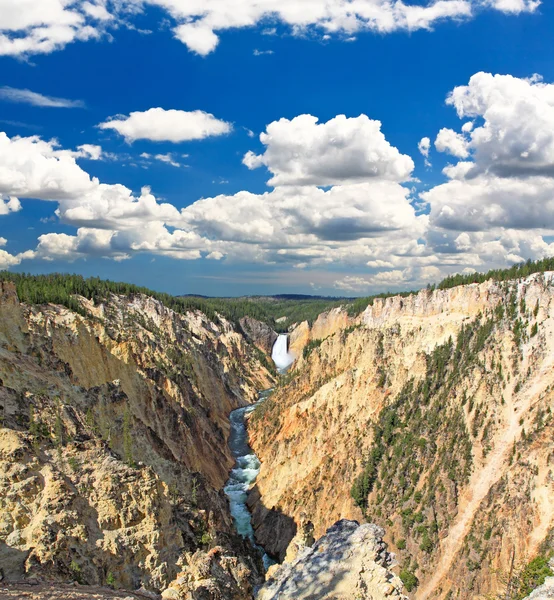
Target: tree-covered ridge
(522, 270)
(518, 271)
(62, 289)
(57, 288)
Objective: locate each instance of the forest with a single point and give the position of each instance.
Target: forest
(61, 289)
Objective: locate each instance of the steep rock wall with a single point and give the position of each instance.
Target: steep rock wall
(113, 445)
(460, 383)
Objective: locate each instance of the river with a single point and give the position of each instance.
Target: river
(247, 466)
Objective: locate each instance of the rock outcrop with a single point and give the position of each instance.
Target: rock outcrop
(258, 333)
(350, 562)
(543, 592)
(113, 442)
(439, 406)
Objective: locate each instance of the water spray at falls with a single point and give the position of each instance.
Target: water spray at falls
(281, 356)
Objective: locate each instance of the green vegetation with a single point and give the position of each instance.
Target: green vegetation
(523, 579)
(409, 579)
(76, 572)
(58, 288)
(61, 289)
(515, 272)
(532, 576)
(357, 306)
(310, 347)
(422, 436)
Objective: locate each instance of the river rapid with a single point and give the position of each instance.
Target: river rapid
(247, 466)
(244, 473)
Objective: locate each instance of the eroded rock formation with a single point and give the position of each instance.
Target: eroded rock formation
(437, 408)
(113, 446)
(350, 562)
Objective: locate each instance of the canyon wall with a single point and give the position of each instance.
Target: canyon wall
(113, 445)
(429, 415)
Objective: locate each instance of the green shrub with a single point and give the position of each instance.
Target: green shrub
(409, 580)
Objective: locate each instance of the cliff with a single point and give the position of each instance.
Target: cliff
(259, 334)
(113, 445)
(349, 561)
(430, 415)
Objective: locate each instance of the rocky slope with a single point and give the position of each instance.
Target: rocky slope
(437, 410)
(349, 561)
(113, 445)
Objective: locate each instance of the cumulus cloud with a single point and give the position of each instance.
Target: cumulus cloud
(424, 146)
(454, 143)
(9, 205)
(303, 151)
(11, 94)
(306, 214)
(31, 27)
(390, 280)
(338, 196)
(159, 125)
(351, 223)
(515, 6)
(498, 202)
(199, 21)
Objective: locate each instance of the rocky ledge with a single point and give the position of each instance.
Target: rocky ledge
(349, 562)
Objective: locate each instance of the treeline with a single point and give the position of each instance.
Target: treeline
(61, 289)
(518, 271)
(58, 288)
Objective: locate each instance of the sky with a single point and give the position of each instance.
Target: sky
(236, 147)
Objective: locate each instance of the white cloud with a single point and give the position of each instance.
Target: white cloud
(9, 205)
(90, 151)
(350, 224)
(11, 94)
(454, 143)
(262, 52)
(302, 151)
(158, 125)
(197, 38)
(390, 280)
(8, 260)
(498, 204)
(306, 215)
(338, 197)
(507, 179)
(33, 168)
(40, 27)
(514, 6)
(424, 146)
(31, 27)
(484, 202)
(168, 158)
(199, 21)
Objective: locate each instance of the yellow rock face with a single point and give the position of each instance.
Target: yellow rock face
(318, 432)
(113, 445)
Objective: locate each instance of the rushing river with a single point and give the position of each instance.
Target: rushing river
(243, 475)
(247, 465)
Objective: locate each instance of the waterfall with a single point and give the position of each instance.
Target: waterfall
(281, 356)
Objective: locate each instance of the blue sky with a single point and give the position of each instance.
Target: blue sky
(351, 208)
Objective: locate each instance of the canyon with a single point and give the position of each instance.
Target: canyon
(430, 415)
(410, 441)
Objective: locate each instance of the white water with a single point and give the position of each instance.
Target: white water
(243, 476)
(280, 354)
